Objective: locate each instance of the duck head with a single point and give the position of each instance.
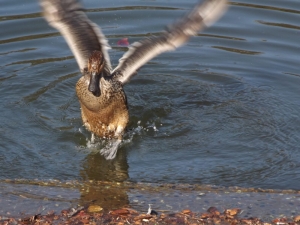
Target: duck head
(95, 69)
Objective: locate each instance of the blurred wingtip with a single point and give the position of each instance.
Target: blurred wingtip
(212, 10)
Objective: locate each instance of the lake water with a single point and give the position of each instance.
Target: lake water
(222, 110)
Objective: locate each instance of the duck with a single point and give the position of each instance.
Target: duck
(103, 102)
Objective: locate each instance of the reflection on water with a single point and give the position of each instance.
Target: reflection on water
(222, 110)
(260, 6)
(241, 51)
(279, 25)
(96, 168)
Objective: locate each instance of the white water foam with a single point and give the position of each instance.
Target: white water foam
(109, 147)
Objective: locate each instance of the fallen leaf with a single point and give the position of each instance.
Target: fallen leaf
(214, 211)
(186, 211)
(120, 212)
(206, 215)
(297, 218)
(142, 217)
(94, 208)
(232, 212)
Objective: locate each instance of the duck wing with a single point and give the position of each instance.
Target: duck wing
(82, 36)
(201, 16)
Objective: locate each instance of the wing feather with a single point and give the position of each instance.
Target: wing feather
(201, 16)
(82, 36)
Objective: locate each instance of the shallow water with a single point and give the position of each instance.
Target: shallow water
(222, 110)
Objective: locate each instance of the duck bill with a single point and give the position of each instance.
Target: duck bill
(94, 85)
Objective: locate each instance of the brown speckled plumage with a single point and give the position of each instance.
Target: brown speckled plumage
(103, 115)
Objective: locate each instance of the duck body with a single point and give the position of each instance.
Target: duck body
(107, 115)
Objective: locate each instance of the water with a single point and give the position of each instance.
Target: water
(222, 110)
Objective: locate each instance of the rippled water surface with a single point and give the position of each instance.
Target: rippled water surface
(221, 110)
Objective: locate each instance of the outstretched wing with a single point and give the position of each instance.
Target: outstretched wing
(201, 16)
(82, 36)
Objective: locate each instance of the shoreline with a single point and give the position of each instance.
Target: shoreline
(27, 198)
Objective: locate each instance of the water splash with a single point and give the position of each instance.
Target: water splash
(110, 150)
(109, 147)
(106, 147)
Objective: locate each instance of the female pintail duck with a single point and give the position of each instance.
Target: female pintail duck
(100, 90)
